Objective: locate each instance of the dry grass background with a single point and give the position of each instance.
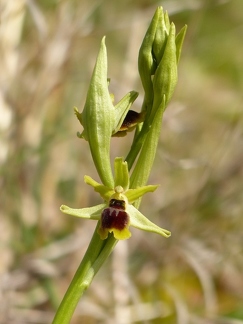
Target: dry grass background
(47, 52)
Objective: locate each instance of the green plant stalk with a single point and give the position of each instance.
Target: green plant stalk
(137, 144)
(96, 254)
(142, 151)
(141, 172)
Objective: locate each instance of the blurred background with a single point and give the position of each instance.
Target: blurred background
(47, 52)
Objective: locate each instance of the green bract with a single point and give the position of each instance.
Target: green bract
(100, 119)
(117, 213)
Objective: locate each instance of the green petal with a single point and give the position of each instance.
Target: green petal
(134, 194)
(90, 212)
(139, 221)
(104, 191)
(121, 173)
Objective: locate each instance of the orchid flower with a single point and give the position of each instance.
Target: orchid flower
(117, 213)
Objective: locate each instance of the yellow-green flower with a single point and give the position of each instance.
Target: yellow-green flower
(117, 213)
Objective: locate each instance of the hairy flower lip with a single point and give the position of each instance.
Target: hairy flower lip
(114, 219)
(129, 123)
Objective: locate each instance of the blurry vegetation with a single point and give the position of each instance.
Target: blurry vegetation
(47, 52)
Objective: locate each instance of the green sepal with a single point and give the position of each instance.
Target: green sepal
(88, 213)
(139, 221)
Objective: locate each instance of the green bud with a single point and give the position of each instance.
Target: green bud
(146, 62)
(158, 59)
(159, 56)
(98, 118)
(161, 36)
(165, 77)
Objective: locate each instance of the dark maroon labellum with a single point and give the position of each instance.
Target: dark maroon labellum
(115, 215)
(131, 120)
(129, 123)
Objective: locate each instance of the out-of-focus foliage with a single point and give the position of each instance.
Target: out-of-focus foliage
(47, 53)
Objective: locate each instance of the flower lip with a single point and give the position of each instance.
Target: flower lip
(117, 213)
(131, 120)
(114, 218)
(129, 123)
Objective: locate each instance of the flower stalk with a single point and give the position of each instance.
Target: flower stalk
(122, 192)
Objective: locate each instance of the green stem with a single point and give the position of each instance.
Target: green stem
(137, 145)
(96, 254)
